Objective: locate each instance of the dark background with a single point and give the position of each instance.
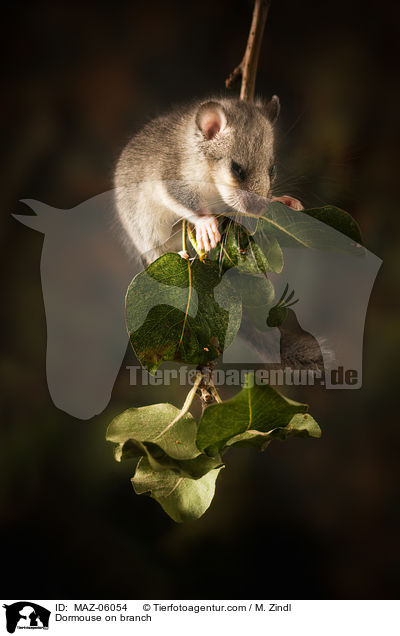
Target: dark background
(306, 519)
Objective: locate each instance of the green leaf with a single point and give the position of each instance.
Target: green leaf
(338, 219)
(255, 290)
(259, 409)
(199, 466)
(165, 435)
(159, 424)
(131, 449)
(257, 295)
(239, 249)
(270, 251)
(300, 425)
(182, 498)
(303, 228)
(173, 313)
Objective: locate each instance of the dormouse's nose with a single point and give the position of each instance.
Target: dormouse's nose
(253, 203)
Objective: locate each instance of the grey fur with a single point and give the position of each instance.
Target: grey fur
(170, 171)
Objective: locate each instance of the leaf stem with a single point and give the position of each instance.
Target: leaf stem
(215, 393)
(185, 407)
(190, 396)
(188, 303)
(184, 229)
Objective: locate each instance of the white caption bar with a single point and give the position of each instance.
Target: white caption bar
(152, 617)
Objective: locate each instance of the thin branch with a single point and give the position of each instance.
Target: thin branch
(247, 68)
(190, 396)
(215, 394)
(184, 224)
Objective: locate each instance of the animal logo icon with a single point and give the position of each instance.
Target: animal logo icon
(85, 273)
(25, 614)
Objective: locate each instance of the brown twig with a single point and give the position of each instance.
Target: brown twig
(247, 68)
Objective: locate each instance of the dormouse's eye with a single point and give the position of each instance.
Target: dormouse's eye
(272, 172)
(238, 171)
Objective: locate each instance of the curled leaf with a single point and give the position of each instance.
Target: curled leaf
(252, 415)
(182, 498)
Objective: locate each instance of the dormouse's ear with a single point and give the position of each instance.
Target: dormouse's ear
(272, 109)
(211, 119)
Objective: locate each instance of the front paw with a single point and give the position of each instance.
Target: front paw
(291, 202)
(207, 234)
